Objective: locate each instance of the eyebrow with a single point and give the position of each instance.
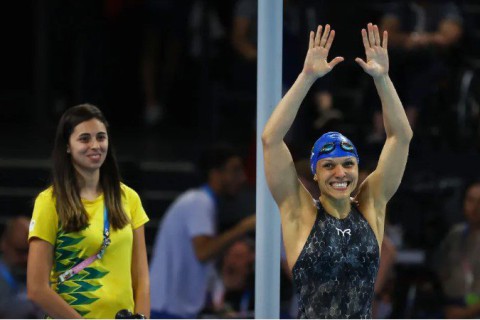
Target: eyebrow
(88, 133)
(328, 162)
(331, 160)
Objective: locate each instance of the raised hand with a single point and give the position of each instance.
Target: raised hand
(377, 55)
(316, 64)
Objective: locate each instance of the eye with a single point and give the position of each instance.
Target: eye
(328, 165)
(84, 138)
(348, 164)
(101, 137)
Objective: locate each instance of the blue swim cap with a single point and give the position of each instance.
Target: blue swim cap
(331, 145)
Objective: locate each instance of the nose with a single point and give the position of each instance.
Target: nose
(95, 144)
(339, 171)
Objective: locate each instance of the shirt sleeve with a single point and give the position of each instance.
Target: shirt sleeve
(200, 219)
(138, 215)
(445, 256)
(44, 223)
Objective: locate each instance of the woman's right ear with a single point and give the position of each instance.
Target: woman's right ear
(315, 177)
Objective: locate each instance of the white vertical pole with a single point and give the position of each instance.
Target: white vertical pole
(269, 90)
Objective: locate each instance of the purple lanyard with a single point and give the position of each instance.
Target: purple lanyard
(85, 263)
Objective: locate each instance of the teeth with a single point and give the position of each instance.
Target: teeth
(339, 185)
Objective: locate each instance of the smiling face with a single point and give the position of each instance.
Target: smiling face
(88, 145)
(337, 177)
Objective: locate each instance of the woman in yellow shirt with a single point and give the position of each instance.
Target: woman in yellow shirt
(87, 254)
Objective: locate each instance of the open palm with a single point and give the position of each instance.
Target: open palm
(316, 64)
(377, 55)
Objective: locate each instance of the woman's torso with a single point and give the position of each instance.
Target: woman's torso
(335, 272)
(105, 286)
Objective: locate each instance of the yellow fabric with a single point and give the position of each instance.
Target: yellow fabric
(105, 286)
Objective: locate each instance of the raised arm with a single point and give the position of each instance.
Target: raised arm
(279, 167)
(384, 181)
(209, 247)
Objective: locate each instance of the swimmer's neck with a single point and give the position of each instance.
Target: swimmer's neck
(337, 208)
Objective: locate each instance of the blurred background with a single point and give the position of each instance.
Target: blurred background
(175, 76)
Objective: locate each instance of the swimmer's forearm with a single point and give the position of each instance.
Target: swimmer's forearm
(394, 117)
(285, 112)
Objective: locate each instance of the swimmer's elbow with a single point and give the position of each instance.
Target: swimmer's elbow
(409, 134)
(268, 139)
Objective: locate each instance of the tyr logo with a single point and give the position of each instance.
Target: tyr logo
(347, 231)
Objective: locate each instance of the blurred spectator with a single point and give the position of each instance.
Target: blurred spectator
(244, 42)
(299, 17)
(187, 241)
(326, 113)
(459, 260)
(382, 305)
(165, 37)
(13, 272)
(421, 35)
(234, 288)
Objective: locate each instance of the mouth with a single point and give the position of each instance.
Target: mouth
(94, 157)
(340, 186)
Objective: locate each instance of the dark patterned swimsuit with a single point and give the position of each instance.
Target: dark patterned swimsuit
(335, 273)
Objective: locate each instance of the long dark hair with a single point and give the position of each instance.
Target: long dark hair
(71, 212)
